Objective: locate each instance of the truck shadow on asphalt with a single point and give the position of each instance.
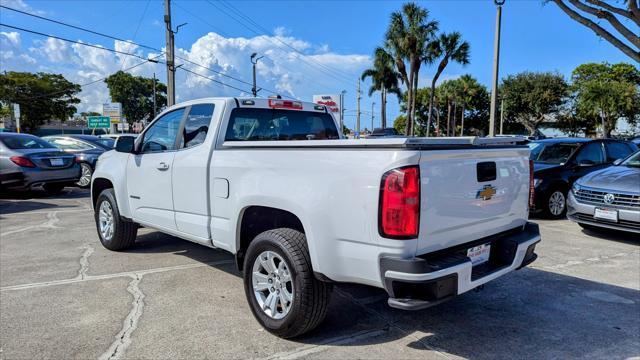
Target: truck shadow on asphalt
(530, 313)
(37, 200)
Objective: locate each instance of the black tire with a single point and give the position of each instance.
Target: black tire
(53, 189)
(551, 196)
(123, 233)
(85, 167)
(311, 296)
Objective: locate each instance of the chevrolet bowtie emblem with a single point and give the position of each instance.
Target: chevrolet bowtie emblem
(486, 193)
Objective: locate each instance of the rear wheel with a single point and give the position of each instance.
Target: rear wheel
(556, 204)
(53, 189)
(280, 287)
(115, 233)
(85, 175)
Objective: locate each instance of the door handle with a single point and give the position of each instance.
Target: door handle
(163, 166)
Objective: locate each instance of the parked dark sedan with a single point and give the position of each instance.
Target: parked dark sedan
(86, 148)
(558, 163)
(26, 161)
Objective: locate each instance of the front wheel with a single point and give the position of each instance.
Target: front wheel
(115, 233)
(556, 204)
(280, 287)
(85, 175)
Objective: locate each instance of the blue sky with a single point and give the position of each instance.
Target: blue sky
(336, 38)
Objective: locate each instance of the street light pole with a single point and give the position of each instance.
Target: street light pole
(496, 64)
(501, 114)
(372, 116)
(254, 61)
(342, 110)
(154, 95)
(171, 70)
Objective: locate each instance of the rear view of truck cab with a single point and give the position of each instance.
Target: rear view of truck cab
(468, 211)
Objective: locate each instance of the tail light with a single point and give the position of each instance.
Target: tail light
(399, 212)
(285, 104)
(22, 161)
(532, 187)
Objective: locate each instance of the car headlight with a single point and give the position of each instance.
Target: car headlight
(575, 188)
(536, 182)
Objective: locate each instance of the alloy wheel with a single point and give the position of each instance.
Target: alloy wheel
(105, 220)
(272, 284)
(556, 203)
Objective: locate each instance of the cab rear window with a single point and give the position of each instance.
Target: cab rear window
(246, 124)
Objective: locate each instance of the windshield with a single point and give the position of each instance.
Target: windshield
(25, 142)
(106, 143)
(552, 153)
(633, 160)
(69, 144)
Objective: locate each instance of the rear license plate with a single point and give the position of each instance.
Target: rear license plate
(479, 254)
(606, 214)
(56, 162)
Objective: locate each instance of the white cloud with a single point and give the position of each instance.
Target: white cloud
(21, 5)
(56, 50)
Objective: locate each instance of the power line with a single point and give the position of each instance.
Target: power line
(304, 60)
(214, 80)
(73, 41)
(119, 39)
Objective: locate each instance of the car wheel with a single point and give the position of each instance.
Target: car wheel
(556, 204)
(53, 189)
(85, 175)
(115, 233)
(283, 294)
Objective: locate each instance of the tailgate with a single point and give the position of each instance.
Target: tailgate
(470, 194)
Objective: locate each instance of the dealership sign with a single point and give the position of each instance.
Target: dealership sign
(332, 102)
(113, 111)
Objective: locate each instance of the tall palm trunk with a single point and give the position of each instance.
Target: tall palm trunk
(462, 125)
(448, 115)
(455, 111)
(409, 102)
(431, 99)
(436, 131)
(383, 108)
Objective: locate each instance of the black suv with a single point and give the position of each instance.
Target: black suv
(559, 162)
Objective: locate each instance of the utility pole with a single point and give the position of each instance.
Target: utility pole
(171, 70)
(154, 95)
(358, 110)
(496, 65)
(342, 110)
(372, 116)
(501, 114)
(254, 61)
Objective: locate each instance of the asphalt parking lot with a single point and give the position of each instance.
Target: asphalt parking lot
(62, 295)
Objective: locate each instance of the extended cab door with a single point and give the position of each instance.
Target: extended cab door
(191, 171)
(149, 172)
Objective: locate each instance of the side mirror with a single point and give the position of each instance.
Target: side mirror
(125, 144)
(617, 162)
(586, 163)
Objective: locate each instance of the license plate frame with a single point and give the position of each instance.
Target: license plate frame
(479, 254)
(56, 162)
(606, 214)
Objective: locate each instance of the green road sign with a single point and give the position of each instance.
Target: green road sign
(98, 122)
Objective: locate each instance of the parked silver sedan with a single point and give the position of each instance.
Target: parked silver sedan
(608, 198)
(26, 161)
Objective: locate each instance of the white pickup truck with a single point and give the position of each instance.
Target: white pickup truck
(273, 182)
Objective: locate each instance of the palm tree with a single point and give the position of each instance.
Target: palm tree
(384, 78)
(449, 47)
(468, 89)
(406, 39)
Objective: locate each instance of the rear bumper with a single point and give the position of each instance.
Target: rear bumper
(30, 178)
(418, 283)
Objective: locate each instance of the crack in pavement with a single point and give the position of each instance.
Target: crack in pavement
(84, 262)
(52, 220)
(130, 324)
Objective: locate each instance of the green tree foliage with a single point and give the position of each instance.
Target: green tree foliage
(135, 93)
(531, 98)
(42, 97)
(384, 78)
(400, 124)
(408, 40)
(607, 93)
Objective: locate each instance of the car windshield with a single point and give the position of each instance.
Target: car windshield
(25, 142)
(633, 160)
(552, 153)
(69, 144)
(106, 143)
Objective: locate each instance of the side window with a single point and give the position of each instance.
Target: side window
(591, 152)
(197, 124)
(161, 136)
(617, 150)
